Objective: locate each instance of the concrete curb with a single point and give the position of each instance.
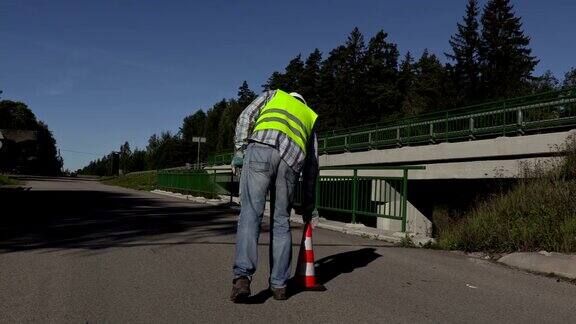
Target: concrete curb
(367, 232)
(196, 199)
(563, 265)
(346, 228)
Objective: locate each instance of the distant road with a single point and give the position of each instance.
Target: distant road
(77, 251)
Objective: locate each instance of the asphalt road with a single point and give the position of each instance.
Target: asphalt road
(79, 251)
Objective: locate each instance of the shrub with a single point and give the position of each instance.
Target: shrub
(4, 180)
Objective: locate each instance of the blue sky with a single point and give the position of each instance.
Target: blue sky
(103, 72)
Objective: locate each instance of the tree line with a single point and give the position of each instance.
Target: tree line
(363, 82)
(28, 145)
(168, 150)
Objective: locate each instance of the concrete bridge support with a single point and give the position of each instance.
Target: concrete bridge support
(416, 222)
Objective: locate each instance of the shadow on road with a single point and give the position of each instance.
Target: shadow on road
(332, 266)
(93, 219)
(327, 269)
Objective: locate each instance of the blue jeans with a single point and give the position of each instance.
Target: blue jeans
(265, 171)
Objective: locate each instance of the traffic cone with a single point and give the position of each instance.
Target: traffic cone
(305, 272)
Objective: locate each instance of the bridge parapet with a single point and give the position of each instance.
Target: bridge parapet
(548, 112)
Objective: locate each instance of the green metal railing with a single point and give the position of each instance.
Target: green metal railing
(220, 159)
(196, 182)
(359, 191)
(544, 112)
(355, 191)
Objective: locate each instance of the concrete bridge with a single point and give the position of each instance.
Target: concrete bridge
(462, 151)
(458, 166)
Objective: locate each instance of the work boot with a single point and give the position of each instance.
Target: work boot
(240, 289)
(279, 293)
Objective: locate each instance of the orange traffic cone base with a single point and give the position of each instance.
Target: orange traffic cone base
(316, 287)
(308, 283)
(305, 275)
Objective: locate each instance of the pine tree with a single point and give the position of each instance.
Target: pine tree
(411, 100)
(507, 63)
(214, 117)
(465, 52)
(569, 79)
(275, 81)
(137, 160)
(381, 76)
(193, 126)
(328, 103)
(170, 151)
(224, 131)
(310, 78)
(354, 60)
(226, 127)
(342, 85)
(289, 80)
(125, 154)
(430, 82)
(245, 94)
(406, 75)
(351, 102)
(293, 74)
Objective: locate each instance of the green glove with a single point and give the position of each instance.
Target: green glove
(237, 161)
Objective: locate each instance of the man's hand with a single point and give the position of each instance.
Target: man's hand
(311, 216)
(237, 162)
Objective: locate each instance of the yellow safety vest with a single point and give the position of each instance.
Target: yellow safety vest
(288, 115)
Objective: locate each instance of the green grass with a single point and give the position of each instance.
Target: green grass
(139, 180)
(4, 180)
(535, 215)
(539, 213)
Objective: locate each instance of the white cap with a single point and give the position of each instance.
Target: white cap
(298, 96)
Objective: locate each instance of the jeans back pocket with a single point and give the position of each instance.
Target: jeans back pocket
(258, 166)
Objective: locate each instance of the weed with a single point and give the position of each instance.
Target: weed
(4, 180)
(406, 242)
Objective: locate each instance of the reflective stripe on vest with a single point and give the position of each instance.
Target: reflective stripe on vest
(288, 115)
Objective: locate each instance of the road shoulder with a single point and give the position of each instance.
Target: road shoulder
(557, 264)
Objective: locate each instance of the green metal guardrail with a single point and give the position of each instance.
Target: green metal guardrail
(363, 194)
(536, 113)
(544, 112)
(196, 182)
(220, 159)
(354, 193)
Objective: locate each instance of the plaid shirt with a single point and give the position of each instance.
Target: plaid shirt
(290, 152)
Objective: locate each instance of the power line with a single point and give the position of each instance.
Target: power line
(80, 152)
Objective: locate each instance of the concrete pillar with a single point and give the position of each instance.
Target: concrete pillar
(389, 200)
